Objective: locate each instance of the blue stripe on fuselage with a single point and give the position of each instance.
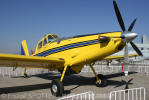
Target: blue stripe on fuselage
(67, 47)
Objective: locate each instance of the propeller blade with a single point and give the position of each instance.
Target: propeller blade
(118, 15)
(136, 49)
(132, 25)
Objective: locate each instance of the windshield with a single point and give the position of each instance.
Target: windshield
(52, 38)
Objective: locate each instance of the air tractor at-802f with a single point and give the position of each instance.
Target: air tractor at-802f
(69, 55)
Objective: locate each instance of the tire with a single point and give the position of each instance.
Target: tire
(103, 81)
(57, 88)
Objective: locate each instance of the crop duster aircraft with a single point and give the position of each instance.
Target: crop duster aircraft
(69, 55)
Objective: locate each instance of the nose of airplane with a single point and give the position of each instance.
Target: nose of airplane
(129, 36)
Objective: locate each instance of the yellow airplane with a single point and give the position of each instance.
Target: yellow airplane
(69, 55)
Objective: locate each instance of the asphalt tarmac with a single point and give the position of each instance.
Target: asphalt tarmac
(37, 87)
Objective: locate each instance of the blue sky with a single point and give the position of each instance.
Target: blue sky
(33, 19)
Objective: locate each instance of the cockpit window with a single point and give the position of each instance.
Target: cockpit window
(45, 41)
(50, 38)
(40, 45)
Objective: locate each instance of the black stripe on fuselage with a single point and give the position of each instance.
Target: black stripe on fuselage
(67, 47)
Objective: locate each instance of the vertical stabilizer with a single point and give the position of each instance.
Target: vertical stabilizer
(144, 40)
(24, 48)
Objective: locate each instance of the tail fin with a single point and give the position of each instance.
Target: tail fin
(24, 48)
(145, 40)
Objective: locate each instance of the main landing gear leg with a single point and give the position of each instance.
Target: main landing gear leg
(100, 81)
(57, 87)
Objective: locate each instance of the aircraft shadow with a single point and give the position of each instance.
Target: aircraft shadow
(24, 88)
(68, 80)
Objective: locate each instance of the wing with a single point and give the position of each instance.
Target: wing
(119, 57)
(11, 60)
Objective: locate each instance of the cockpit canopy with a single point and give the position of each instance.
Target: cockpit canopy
(47, 39)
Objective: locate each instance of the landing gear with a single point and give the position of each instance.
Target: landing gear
(100, 79)
(57, 88)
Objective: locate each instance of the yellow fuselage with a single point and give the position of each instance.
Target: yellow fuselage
(81, 50)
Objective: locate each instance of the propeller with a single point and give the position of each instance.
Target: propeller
(127, 36)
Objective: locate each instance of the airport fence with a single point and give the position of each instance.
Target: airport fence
(82, 96)
(8, 71)
(100, 67)
(129, 94)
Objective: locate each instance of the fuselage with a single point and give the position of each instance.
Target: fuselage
(80, 50)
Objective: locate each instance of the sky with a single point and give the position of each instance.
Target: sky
(32, 19)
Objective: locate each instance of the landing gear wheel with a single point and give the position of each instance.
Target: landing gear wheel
(57, 88)
(103, 81)
(98, 84)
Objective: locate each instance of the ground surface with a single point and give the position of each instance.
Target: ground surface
(37, 86)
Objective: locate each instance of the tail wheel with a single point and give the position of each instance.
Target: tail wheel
(57, 88)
